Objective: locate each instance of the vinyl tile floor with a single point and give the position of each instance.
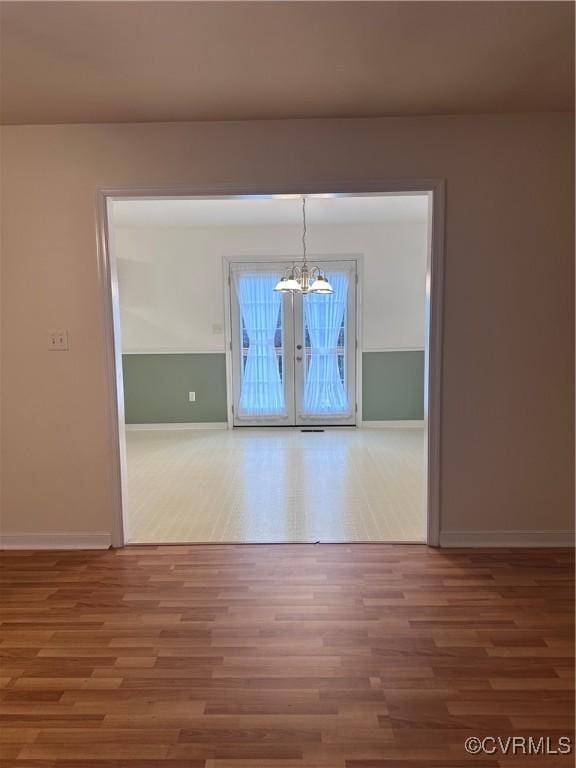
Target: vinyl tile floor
(272, 485)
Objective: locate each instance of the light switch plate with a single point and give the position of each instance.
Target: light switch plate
(58, 341)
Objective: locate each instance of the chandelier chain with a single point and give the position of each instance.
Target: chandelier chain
(304, 228)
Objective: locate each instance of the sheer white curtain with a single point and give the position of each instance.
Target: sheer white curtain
(262, 391)
(324, 391)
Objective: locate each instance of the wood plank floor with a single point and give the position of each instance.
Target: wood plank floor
(340, 656)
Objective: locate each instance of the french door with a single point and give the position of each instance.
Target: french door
(293, 355)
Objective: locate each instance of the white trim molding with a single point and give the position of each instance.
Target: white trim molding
(55, 541)
(397, 424)
(434, 188)
(174, 351)
(393, 349)
(236, 261)
(558, 538)
(173, 426)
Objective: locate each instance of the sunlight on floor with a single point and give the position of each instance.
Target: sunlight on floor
(276, 485)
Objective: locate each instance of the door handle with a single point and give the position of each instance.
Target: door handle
(298, 346)
(299, 358)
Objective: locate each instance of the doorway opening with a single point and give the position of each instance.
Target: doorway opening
(246, 414)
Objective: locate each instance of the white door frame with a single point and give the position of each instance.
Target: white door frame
(355, 361)
(108, 287)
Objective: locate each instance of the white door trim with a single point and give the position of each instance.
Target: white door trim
(108, 286)
(287, 259)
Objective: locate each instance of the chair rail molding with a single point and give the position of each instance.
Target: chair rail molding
(173, 426)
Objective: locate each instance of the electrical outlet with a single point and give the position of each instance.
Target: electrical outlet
(191, 397)
(58, 341)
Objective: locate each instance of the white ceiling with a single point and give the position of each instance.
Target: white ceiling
(272, 212)
(91, 62)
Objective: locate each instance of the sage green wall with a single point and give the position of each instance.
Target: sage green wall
(392, 385)
(156, 387)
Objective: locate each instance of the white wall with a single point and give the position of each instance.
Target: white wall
(171, 280)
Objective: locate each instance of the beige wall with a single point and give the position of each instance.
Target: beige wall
(508, 337)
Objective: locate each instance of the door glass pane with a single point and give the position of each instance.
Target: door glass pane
(261, 344)
(325, 323)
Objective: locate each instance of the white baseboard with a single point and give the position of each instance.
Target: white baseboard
(399, 424)
(178, 426)
(55, 541)
(507, 539)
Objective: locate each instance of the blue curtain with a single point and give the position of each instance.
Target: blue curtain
(262, 391)
(324, 392)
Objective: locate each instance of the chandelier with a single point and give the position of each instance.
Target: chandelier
(302, 279)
